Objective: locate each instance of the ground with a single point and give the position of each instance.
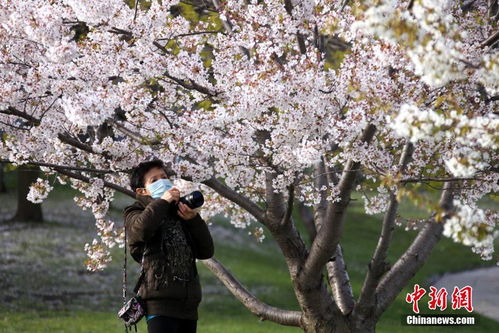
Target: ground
(45, 287)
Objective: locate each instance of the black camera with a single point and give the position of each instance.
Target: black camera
(194, 199)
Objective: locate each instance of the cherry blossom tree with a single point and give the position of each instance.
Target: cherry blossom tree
(265, 105)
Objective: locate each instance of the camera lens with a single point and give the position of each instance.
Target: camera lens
(193, 200)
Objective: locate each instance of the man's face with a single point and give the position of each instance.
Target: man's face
(150, 177)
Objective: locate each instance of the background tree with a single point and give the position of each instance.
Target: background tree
(27, 211)
(3, 188)
(267, 104)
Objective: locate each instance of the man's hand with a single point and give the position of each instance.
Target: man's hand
(172, 194)
(185, 211)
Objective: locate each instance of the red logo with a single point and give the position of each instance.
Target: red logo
(415, 297)
(461, 298)
(438, 299)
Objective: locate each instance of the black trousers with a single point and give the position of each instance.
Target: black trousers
(163, 324)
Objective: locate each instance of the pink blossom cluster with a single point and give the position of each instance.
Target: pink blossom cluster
(87, 84)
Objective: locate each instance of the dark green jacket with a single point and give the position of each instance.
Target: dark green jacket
(171, 285)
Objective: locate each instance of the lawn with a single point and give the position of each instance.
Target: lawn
(46, 289)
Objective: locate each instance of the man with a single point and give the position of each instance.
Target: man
(169, 235)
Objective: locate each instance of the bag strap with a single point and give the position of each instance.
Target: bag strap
(141, 277)
(124, 266)
(124, 270)
(142, 273)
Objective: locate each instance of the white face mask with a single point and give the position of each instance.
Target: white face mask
(159, 187)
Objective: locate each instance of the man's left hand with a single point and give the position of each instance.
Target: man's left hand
(185, 211)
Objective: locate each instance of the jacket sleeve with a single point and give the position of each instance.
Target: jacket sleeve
(142, 224)
(201, 236)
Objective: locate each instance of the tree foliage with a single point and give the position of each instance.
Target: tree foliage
(264, 104)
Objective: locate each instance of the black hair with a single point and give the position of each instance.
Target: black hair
(138, 173)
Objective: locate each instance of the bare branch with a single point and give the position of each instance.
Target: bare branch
(320, 180)
(288, 6)
(257, 307)
(410, 5)
(14, 112)
(436, 179)
(205, 32)
(127, 35)
(222, 189)
(15, 127)
(136, 10)
(344, 4)
(66, 167)
(340, 282)
(86, 179)
(491, 40)
(289, 208)
(328, 237)
(493, 10)
(50, 106)
(161, 47)
(241, 200)
(226, 23)
(378, 265)
(415, 256)
(190, 85)
(275, 201)
(133, 135)
(66, 138)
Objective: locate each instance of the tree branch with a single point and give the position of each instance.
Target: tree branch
(328, 237)
(435, 179)
(14, 112)
(275, 201)
(237, 198)
(86, 179)
(491, 40)
(288, 5)
(257, 307)
(320, 180)
(289, 207)
(226, 23)
(413, 258)
(64, 137)
(132, 135)
(192, 34)
(219, 187)
(51, 165)
(340, 282)
(378, 265)
(190, 85)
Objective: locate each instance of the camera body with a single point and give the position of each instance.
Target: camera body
(194, 199)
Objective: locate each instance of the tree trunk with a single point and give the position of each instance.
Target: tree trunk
(326, 323)
(364, 326)
(3, 189)
(26, 210)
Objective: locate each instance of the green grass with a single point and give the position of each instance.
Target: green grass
(261, 269)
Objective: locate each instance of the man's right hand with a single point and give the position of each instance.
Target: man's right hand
(172, 194)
